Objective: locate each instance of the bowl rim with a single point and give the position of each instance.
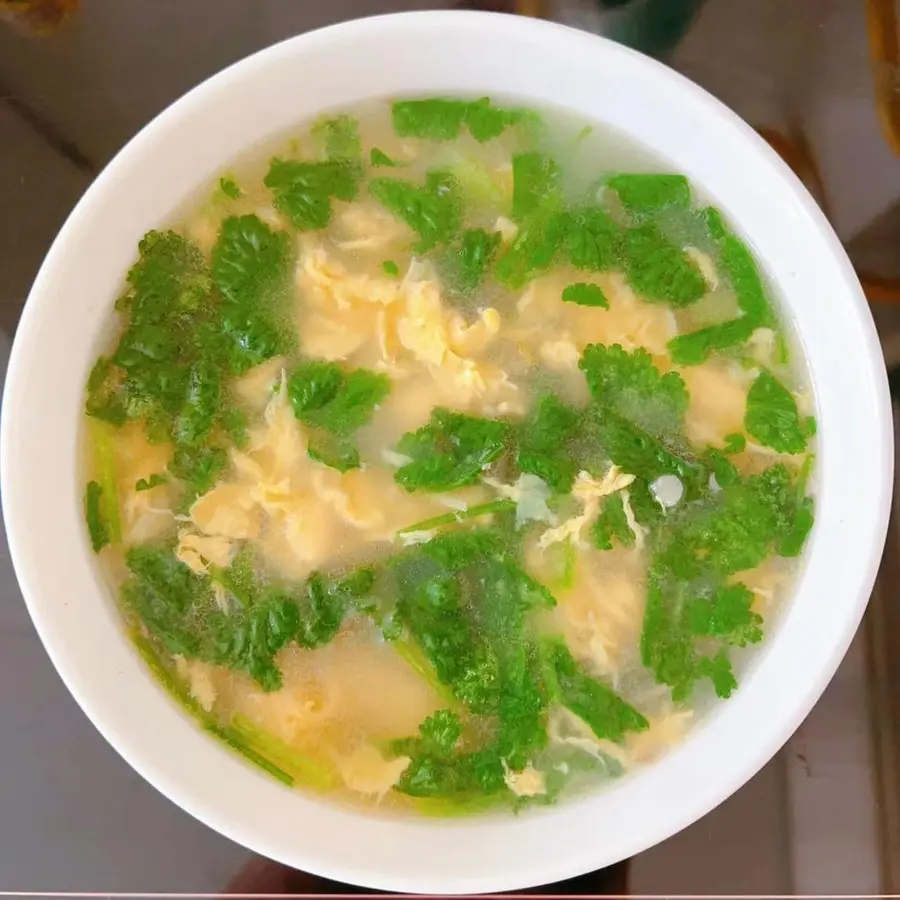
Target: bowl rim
(236, 816)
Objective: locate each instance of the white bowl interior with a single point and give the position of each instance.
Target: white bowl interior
(427, 53)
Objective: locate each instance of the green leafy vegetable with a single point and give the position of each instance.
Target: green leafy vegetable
(689, 599)
(435, 119)
(466, 602)
(608, 715)
(461, 515)
(585, 295)
(250, 264)
(649, 195)
(771, 416)
(326, 603)
(534, 250)
(473, 256)
(695, 347)
(592, 239)
(433, 211)
(734, 444)
(440, 119)
(380, 158)
(738, 266)
(543, 443)
(105, 502)
(93, 514)
(339, 136)
(178, 609)
(630, 385)
(389, 267)
(325, 395)
(303, 191)
(536, 179)
(612, 524)
(229, 187)
(736, 261)
(659, 270)
(727, 615)
(451, 451)
(147, 484)
(337, 402)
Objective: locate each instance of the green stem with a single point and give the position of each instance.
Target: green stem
(305, 769)
(103, 448)
(177, 689)
(460, 515)
(410, 652)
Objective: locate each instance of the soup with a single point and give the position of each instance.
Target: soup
(447, 456)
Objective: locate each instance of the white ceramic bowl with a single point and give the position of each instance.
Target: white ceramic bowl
(429, 53)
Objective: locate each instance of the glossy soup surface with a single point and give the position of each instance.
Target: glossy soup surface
(446, 455)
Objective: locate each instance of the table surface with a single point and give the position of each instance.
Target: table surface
(815, 76)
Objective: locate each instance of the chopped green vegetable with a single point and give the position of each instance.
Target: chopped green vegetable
(326, 602)
(738, 266)
(473, 256)
(734, 444)
(440, 119)
(102, 446)
(460, 515)
(649, 195)
(178, 609)
(612, 524)
(772, 418)
(659, 270)
(543, 443)
(147, 484)
(703, 544)
(250, 266)
(340, 137)
(486, 121)
(303, 191)
(695, 347)
(389, 267)
(727, 615)
(93, 514)
(229, 187)
(630, 385)
(451, 451)
(338, 402)
(432, 211)
(534, 250)
(325, 395)
(608, 715)
(536, 179)
(737, 263)
(380, 158)
(302, 768)
(585, 295)
(467, 604)
(435, 119)
(591, 239)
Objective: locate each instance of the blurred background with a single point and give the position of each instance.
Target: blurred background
(818, 78)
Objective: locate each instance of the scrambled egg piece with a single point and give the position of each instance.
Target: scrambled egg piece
(201, 679)
(718, 399)
(198, 551)
(413, 327)
(145, 514)
(629, 321)
(601, 615)
(366, 771)
(589, 492)
(527, 783)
